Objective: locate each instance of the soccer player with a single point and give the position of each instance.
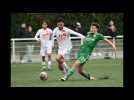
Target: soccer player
(83, 54)
(46, 41)
(62, 34)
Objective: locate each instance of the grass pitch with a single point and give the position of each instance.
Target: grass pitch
(27, 75)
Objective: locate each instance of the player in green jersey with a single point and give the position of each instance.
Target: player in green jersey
(83, 54)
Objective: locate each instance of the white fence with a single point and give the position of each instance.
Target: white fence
(101, 50)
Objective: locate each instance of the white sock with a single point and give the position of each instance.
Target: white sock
(64, 70)
(65, 65)
(49, 63)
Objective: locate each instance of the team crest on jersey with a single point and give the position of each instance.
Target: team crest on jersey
(46, 34)
(90, 39)
(63, 34)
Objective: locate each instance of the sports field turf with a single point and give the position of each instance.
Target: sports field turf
(27, 75)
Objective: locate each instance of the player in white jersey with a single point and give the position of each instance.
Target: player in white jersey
(62, 34)
(46, 41)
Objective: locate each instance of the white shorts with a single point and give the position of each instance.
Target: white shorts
(45, 50)
(64, 52)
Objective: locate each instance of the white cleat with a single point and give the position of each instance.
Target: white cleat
(49, 66)
(92, 78)
(62, 79)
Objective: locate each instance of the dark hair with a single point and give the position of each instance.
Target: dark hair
(44, 21)
(60, 19)
(29, 24)
(96, 24)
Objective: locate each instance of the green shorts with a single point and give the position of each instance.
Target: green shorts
(83, 54)
(83, 58)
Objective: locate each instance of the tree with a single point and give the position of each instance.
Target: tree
(35, 19)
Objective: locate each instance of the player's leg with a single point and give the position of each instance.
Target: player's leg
(77, 65)
(66, 56)
(43, 54)
(49, 52)
(49, 60)
(82, 72)
(71, 71)
(60, 61)
(81, 59)
(43, 60)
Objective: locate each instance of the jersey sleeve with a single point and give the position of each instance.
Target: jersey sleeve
(36, 35)
(101, 37)
(54, 31)
(54, 34)
(75, 33)
(51, 34)
(52, 37)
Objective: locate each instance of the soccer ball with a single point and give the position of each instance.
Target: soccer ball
(43, 76)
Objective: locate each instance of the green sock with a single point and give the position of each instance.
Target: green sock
(69, 73)
(86, 75)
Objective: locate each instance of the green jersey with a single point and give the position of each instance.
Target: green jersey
(88, 45)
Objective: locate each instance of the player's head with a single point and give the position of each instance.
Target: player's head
(23, 25)
(29, 28)
(111, 22)
(44, 24)
(60, 23)
(94, 27)
(78, 24)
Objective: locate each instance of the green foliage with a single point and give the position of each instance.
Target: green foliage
(85, 19)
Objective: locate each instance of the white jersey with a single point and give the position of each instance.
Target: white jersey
(63, 37)
(46, 36)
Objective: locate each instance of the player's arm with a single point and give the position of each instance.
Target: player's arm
(52, 38)
(77, 34)
(109, 42)
(54, 34)
(36, 36)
